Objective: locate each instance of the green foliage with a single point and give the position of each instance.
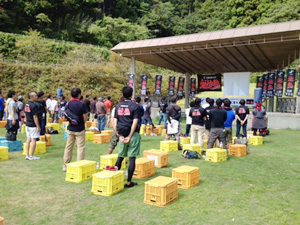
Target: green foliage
(7, 44)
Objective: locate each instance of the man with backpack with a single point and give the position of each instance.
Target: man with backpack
(163, 112)
(76, 113)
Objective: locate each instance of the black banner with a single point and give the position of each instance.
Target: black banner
(131, 80)
(260, 82)
(290, 82)
(180, 86)
(279, 83)
(144, 80)
(265, 86)
(298, 90)
(171, 86)
(158, 82)
(271, 81)
(209, 83)
(193, 87)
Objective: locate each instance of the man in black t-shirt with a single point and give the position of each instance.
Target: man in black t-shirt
(88, 105)
(126, 118)
(163, 112)
(75, 131)
(242, 114)
(198, 115)
(43, 112)
(33, 128)
(217, 117)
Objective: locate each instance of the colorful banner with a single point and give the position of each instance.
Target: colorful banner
(144, 80)
(260, 82)
(158, 82)
(193, 87)
(279, 83)
(298, 90)
(265, 86)
(180, 86)
(271, 82)
(290, 82)
(209, 83)
(131, 80)
(171, 86)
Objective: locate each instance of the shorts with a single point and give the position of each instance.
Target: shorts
(132, 148)
(32, 132)
(147, 120)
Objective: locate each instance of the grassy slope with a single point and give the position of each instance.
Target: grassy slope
(261, 188)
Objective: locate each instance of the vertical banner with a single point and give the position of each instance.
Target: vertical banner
(298, 90)
(131, 80)
(180, 86)
(209, 83)
(271, 81)
(265, 86)
(171, 86)
(290, 82)
(279, 83)
(158, 81)
(260, 82)
(144, 80)
(193, 87)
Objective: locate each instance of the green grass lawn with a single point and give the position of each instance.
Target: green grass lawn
(260, 188)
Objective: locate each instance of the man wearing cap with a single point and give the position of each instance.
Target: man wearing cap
(101, 113)
(174, 113)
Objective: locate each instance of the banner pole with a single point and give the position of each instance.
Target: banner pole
(133, 72)
(187, 89)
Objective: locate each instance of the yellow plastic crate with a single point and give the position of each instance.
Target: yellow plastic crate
(161, 191)
(54, 125)
(185, 140)
(109, 132)
(88, 124)
(101, 138)
(110, 160)
(39, 149)
(2, 124)
(164, 132)
(169, 146)
(160, 158)
(3, 153)
(256, 140)
(89, 136)
(155, 131)
(144, 168)
(216, 155)
(80, 171)
(47, 140)
(192, 147)
(49, 120)
(187, 176)
(108, 183)
(238, 150)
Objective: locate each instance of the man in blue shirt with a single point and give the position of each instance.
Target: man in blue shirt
(1, 106)
(228, 122)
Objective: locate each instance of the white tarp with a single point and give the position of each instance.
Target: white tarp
(236, 84)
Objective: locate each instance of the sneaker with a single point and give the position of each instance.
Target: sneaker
(64, 169)
(27, 158)
(34, 158)
(153, 134)
(145, 134)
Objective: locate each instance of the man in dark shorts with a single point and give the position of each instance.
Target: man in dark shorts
(127, 115)
(242, 114)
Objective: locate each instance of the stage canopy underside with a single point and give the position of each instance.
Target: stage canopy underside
(254, 49)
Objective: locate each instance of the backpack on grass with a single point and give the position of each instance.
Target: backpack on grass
(190, 154)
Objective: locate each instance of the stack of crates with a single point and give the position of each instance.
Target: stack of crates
(66, 134)
(110, 160)
(144, 168)
(192, 147)
(161, 191)
(216, 155)
(3, 153)
(185, 140)
(164, 132)
(39, 149)
(65, 125)
(12, 145)
(2, 124)
(256, 140)
(80, 171)
(169, 146)
(109, 132)
(238, 150)
(88, 124)
(108, 183)
(46, 138)
(94, 124)
(160, 158)
(101, 138)
(89, 136)
(187, 176)
(23, 129)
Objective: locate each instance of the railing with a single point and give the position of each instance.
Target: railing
(286, 105)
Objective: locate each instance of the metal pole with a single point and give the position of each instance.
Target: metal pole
(133, 72)
(187, 89)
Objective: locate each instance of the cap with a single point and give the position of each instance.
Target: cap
(20, 98)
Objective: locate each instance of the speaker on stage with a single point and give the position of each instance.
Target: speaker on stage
(257, 95)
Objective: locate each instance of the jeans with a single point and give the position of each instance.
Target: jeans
(101, 122)
(163, 116)
(238, 128)
(187, 129)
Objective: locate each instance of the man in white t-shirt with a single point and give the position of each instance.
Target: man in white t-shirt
(54, 110)
(188, 119)
(48, 103)
(12, 125)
